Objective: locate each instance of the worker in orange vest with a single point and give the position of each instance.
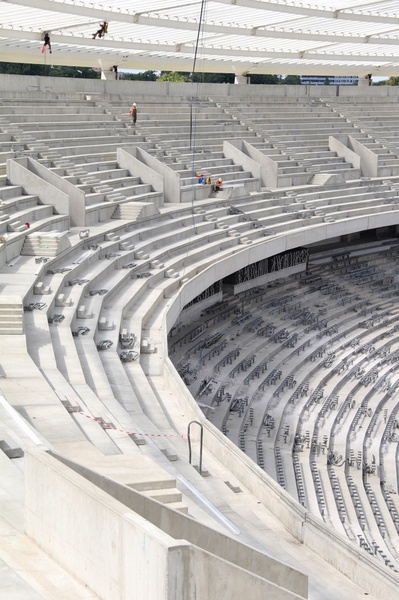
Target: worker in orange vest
(133, 113)
(218, 185)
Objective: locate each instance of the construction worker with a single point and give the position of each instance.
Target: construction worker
(133, 113)
(102, 31)
(47, 42)
(218, 185)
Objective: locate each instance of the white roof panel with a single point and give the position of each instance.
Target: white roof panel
(353, 37)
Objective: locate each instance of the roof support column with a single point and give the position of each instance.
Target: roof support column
(241, 79)
(107, 74)
(364, 80)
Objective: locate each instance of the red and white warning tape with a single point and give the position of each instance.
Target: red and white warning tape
(114, 428)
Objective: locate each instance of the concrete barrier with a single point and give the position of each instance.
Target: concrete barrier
(122, 544)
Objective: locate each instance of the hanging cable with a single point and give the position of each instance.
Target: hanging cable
(193, 120)
(200, 30)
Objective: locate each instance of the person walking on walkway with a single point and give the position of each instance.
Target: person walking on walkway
(133, 113)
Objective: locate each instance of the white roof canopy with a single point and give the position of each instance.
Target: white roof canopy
(317, 37)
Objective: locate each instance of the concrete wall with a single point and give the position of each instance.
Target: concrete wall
(19, 172)
(190, 313)
(265, 489)
(365, 570)
(13, 246)
(165, 178)
(268, 166)
(268, 278)
(180, 526)
(341, 149)
(130, 160)
(215, 578)
(14, 86)
(235, 150)
(118, 553)
(368, 158)
(94, 537)
(77, 200)
(3, 254)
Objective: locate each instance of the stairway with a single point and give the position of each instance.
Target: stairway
(48, 243)
(327, 179)
(11, 315)
(132, 211)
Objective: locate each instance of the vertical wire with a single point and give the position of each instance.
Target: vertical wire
(193, 119)
(199, 31)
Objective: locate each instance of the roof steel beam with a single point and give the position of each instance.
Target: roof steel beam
(349, 13)
(308, 11)
(251, 44)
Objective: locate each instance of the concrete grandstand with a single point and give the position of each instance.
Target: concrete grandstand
(198, 390)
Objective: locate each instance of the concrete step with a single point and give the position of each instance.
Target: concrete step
(11, 315)
(165, 495)
(11, 330)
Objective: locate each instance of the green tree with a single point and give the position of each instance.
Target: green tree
(213, 77)
(265, 79)
(143, 76)
(22, 69)
(392, 81)
(81, 72)
(291, 80)
(172, 76)
(52, 71)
